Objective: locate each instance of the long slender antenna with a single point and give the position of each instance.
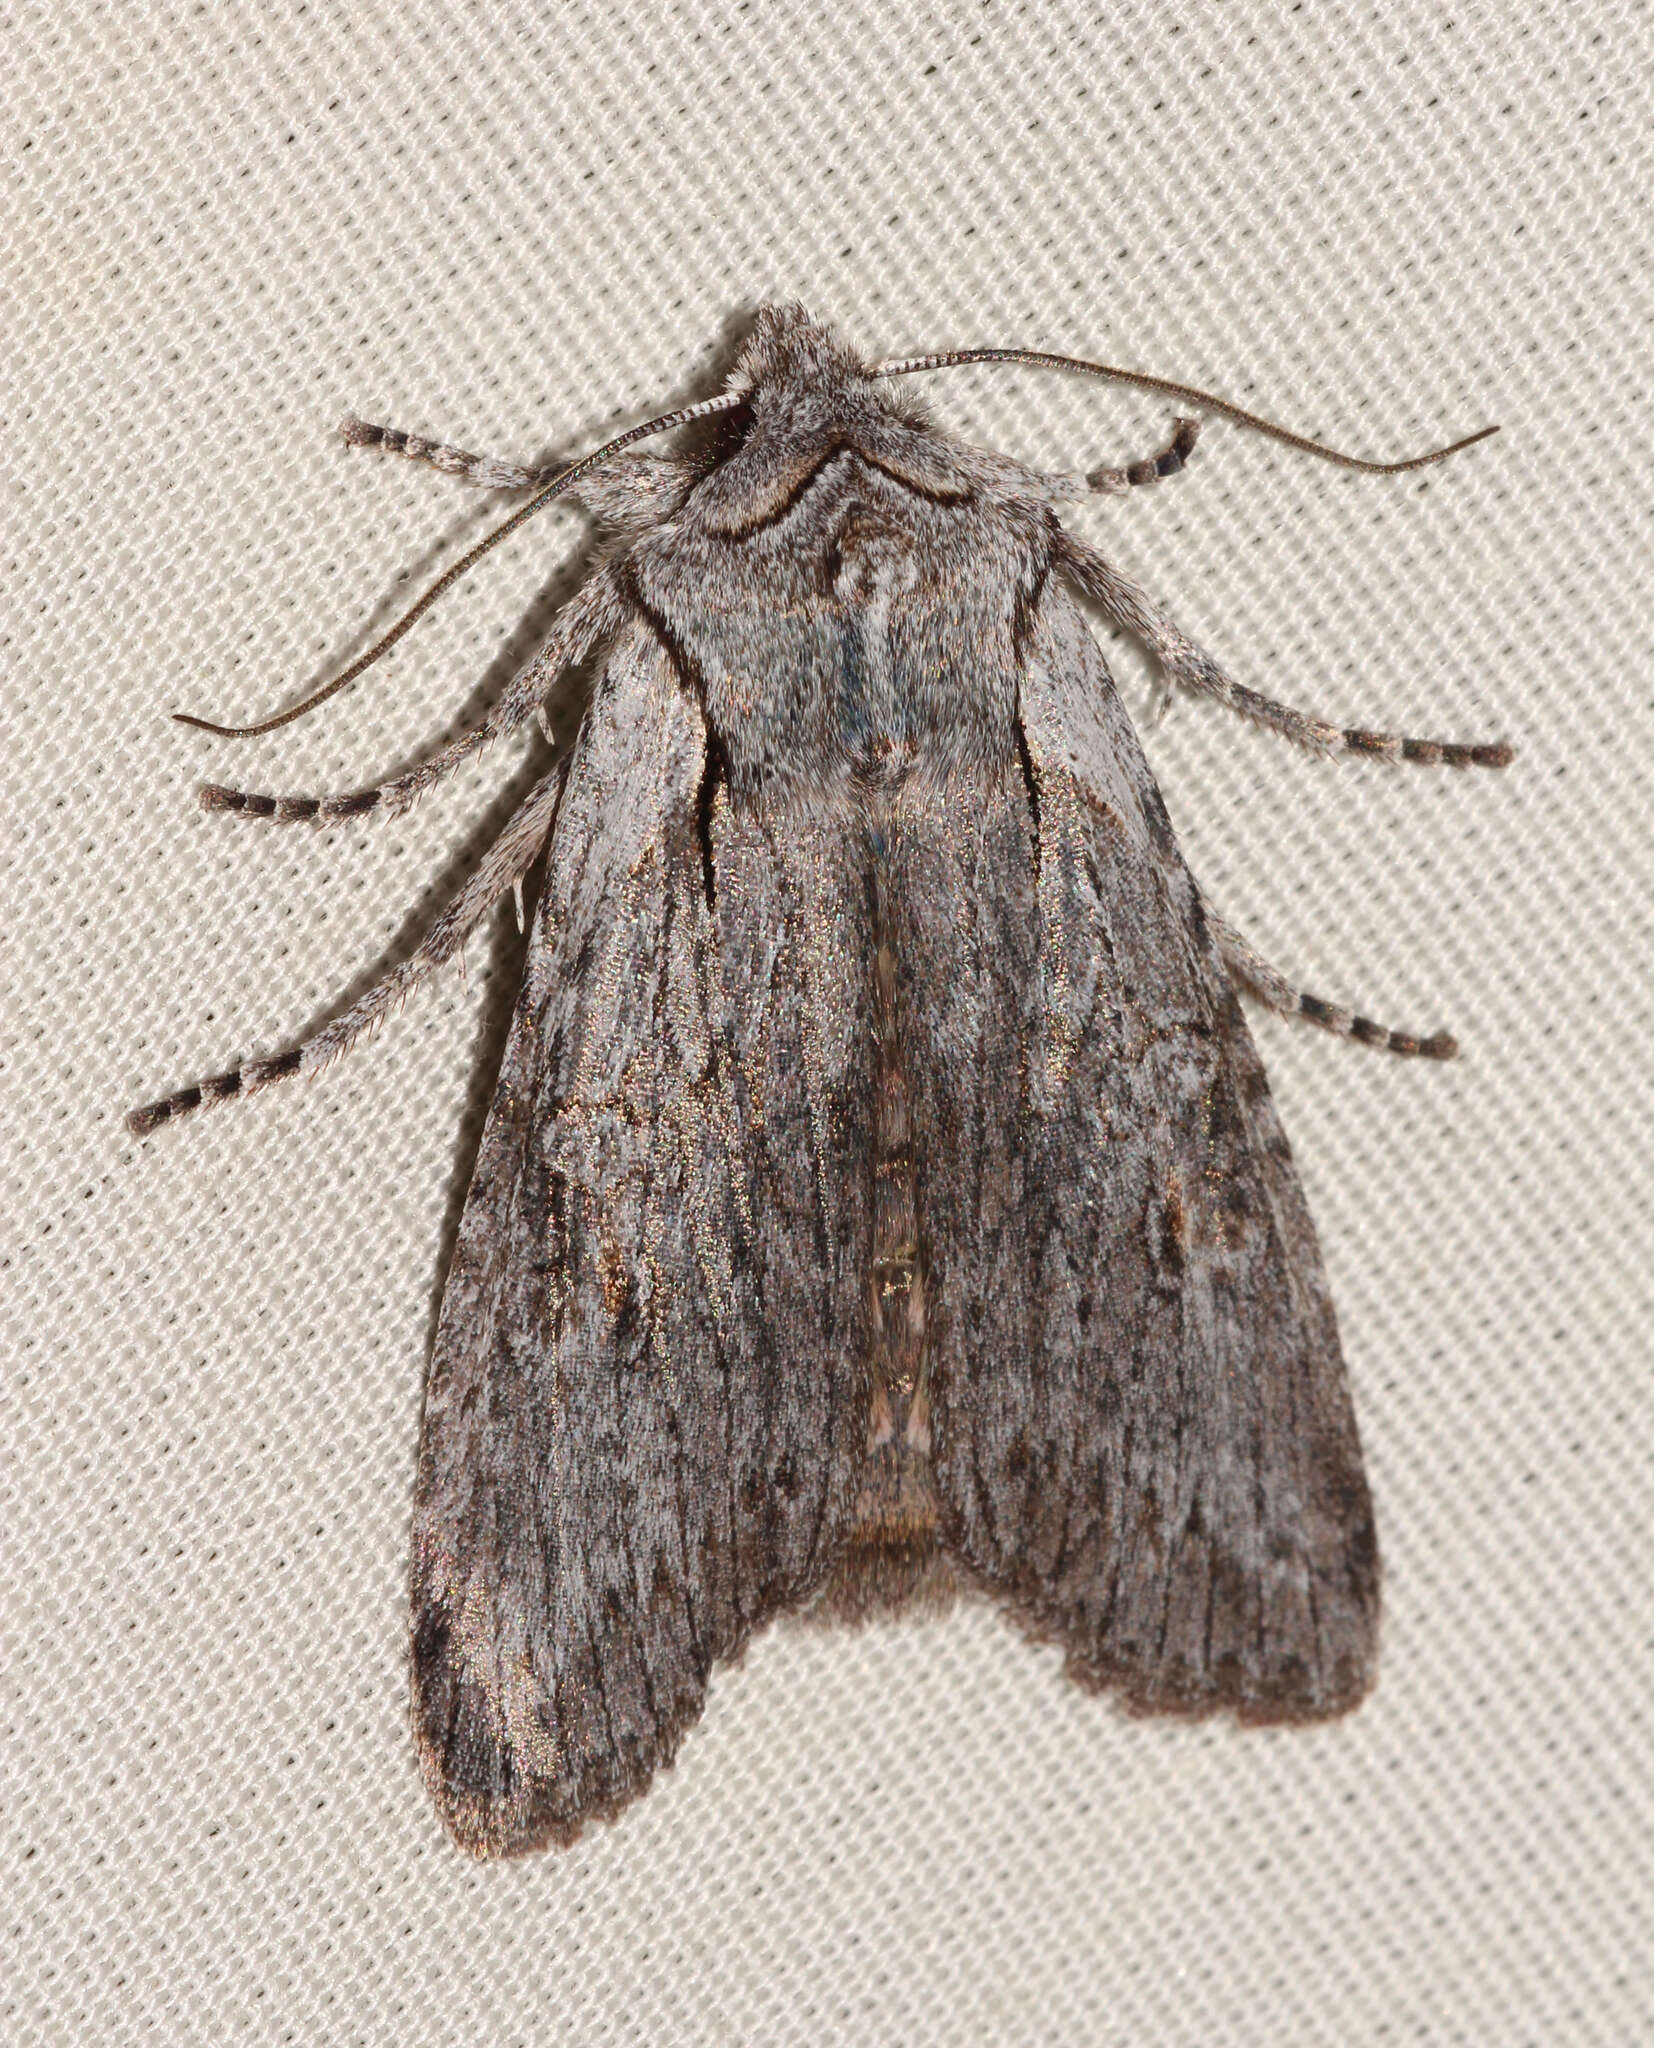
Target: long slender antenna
(725, 402)
(904, 366)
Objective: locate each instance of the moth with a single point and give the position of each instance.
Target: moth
(881, 1193)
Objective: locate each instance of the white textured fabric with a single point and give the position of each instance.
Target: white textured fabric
(227, 226)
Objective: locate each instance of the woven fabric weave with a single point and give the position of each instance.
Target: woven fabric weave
(518, 229)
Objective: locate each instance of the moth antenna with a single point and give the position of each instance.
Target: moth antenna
(1276, 992)
(905, 366)
(725, 402)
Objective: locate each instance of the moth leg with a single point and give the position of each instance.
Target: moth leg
(506, 861)
(1272, 989)
(590, 616)
(1169, 460)
(1135, 611)
(489, 472)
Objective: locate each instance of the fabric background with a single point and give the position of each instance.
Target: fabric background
(226, 226)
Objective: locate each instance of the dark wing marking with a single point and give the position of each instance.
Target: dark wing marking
(646, 1407)
(1143, 1435)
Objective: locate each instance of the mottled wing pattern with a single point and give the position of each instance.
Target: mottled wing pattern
(646, 1406)
(1143, 1435)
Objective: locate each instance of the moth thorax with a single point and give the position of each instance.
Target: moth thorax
(868, 555)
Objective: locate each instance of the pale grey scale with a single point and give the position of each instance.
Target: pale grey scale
(1167, 1478)
(647, 1403)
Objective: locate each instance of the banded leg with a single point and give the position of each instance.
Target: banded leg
(1132, 608)
(488, 472)
(506, 862)
(592, 614)
(1171, 458)
(1272, 989)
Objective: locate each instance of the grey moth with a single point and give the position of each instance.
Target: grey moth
(882, 1194)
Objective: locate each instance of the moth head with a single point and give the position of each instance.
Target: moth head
(802, 396)
(788, 356)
